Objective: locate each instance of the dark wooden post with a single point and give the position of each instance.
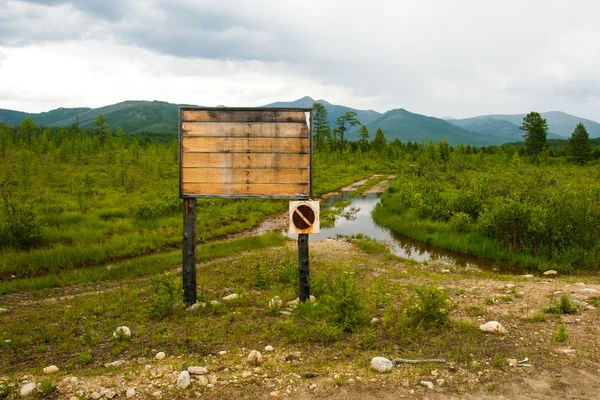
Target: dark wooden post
(303, 267)
(189, 251)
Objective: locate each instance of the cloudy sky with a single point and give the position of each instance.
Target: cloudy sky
(435, 57)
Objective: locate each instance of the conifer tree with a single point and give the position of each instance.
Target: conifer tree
(536, 129)
(579, 147)
(321, 128)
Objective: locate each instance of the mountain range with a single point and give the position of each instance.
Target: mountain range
(162, 117)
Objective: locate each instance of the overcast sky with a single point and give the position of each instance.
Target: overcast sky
(455, 58)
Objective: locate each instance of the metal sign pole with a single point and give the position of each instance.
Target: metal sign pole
(189, 251)
(303, 267)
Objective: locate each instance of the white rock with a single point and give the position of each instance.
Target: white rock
(183, 381)
(3, 310)
(441, 382)
(231, 296)
(195, 306)
(130, 393)
(246, 374)
(492, 327)
(157, 394)
(445, 271)
(375, 321)
(268, 348)
(223, 352)
(160, 355)
(275, 393)
(589, 291)
(27, 390)
(73, 380)
(122, 331)
(275, 302)
(512, 362)
(197, 370)
(110, 394)
(210, 385)
(550, 272)
(381, 364)
(313, 386)
(509, 286)
(528, 276)
(427, 384)
(202, 381)
(52, 369)
(213, 379)
(255, 357)
(214, 302)
(117, 363)
(95, 395)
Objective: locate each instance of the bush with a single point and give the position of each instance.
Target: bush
(460, 221)
(165, 294)
(22, 224)
(561, 334)
(563, 307)
(432, 308)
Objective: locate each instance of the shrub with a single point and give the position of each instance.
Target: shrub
(563, 307)
(47, 387)
(431, 309)
(165, 294)
(561, 334)
(459, 221)
(85, 358)
(22, 224)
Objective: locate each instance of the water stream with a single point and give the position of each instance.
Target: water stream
(356, 218)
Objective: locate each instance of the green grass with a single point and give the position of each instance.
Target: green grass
(140, 266)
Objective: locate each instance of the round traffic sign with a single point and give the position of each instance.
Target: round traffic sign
(303, 217)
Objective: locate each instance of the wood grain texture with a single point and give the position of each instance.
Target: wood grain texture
(245, 145)
(244, 129)
(242, 116)
(238, 189)
(245, 176)
(233, 160)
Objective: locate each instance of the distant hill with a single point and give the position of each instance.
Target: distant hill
(400, 124)
(159, 117)
(132, 116)
(560, 124)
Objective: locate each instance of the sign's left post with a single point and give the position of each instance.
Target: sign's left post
(189, 251)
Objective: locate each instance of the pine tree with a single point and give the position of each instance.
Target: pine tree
(321, 128)
(379, 142)
(536, 129)
(364, 139)
(344, 123)
(27, 129)
(579, 147)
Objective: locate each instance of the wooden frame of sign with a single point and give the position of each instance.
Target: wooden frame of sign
(242, 153)
(245, 152)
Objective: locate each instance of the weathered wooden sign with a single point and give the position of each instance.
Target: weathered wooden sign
(245, 152)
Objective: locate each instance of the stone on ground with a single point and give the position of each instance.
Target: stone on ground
(52, 369)
(183, 381)
(255, 357)
(231, 296)
(381, 364)
(27, 389)
(550, 272)
(197, 370)
(122, 331)
(492, 327)
(130, 393)
(427, 384)
(160, 355)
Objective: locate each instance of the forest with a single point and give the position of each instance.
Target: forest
(74, 200)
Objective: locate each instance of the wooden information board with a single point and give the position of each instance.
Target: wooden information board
(245, 152)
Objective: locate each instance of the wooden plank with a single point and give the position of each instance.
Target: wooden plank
(243, 175)
(239, 189)
(245, 129)
(245, 145)
(225, 160)
(243, 116)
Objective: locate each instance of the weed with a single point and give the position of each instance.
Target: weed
(475, 310)
(507, 298)
(563, 307)
(491, 387)
(47, 387)
(85, 358)
(432, 308)
(560, 335)
(489, 301)
(595, 301)
(499, 361)
(538, 317)
(165, 294)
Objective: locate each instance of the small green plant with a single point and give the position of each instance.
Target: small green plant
(432, 308)
(165, 294)
(538, 317)
(499, 361)
(85, 358)
(561, 333)
(507, 298)
(491, 387)
(47, 387)
(459, 221)
(489, 301)
(563, 307)
(260, 276)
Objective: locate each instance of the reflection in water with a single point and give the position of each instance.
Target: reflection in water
(355, 218)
